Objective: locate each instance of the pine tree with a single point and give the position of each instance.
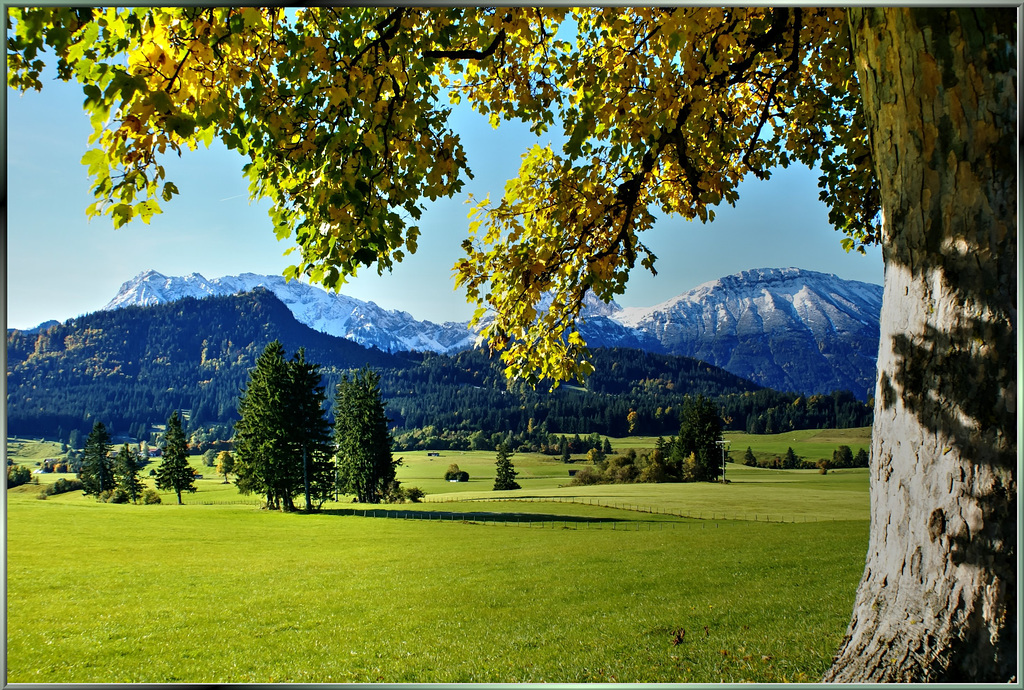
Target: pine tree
(126, 472)
(791, 461)
(699, 432)
(563, 449)
(309, 431)
(261, 439)
(174, 473)
(749, 459)
(282, 441)
(365, 464)
(96, 472)
(505, 479)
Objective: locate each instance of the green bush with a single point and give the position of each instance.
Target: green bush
(150, 497)
(394, 492)
(62, 486)
(587, 477)
(119, 495)
(455, 473)
(414, 494)
(16, 476)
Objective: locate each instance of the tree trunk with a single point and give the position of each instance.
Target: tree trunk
(938, 598)
(305, 479)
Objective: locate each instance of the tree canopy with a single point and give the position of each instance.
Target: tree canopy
(342, 115)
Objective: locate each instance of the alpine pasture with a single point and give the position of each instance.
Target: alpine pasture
(549, 583)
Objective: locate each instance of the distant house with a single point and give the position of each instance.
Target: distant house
(155, 452)
(433, 454)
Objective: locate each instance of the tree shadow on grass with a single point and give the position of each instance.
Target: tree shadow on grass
(467, 516)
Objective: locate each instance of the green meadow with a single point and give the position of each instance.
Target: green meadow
(550, 583)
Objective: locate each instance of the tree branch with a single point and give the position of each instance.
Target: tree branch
(467, 54)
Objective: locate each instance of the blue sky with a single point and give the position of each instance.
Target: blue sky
(60, 265)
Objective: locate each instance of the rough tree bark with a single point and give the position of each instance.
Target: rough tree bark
(938, 598)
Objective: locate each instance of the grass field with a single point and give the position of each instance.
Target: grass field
(220, 592)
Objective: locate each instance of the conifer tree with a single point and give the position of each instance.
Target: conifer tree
(174, 473)
(261, 441)
(282, 441)
(96, 472)
(505, 478)
(699, 431)
(749, 459)
(365, 463)
(308, 430)
(126, 473)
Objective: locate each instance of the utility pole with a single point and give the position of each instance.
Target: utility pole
(723, 444)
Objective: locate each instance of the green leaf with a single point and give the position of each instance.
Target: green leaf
(122, 214)
(169, 190)
(96, 161)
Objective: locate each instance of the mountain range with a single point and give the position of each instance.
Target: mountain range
(783, 328)
(130, 367)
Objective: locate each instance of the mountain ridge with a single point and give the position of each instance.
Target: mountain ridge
(784, 328)
(131, 366)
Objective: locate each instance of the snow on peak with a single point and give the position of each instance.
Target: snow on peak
(328, 312)
(787, 328)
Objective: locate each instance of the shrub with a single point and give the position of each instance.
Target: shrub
(104, 497)
(414, 494)
(62, 486)
(16, 476)
(455, 473)
(586, 477)
(842, 457)
(150, 497)
(119, 495)
(394, 492)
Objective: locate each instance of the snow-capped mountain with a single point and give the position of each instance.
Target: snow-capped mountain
(789, 328)
(332, 313)
(786, 328)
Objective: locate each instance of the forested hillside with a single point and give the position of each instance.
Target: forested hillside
(131, 367)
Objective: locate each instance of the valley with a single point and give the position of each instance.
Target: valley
(546, 584)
